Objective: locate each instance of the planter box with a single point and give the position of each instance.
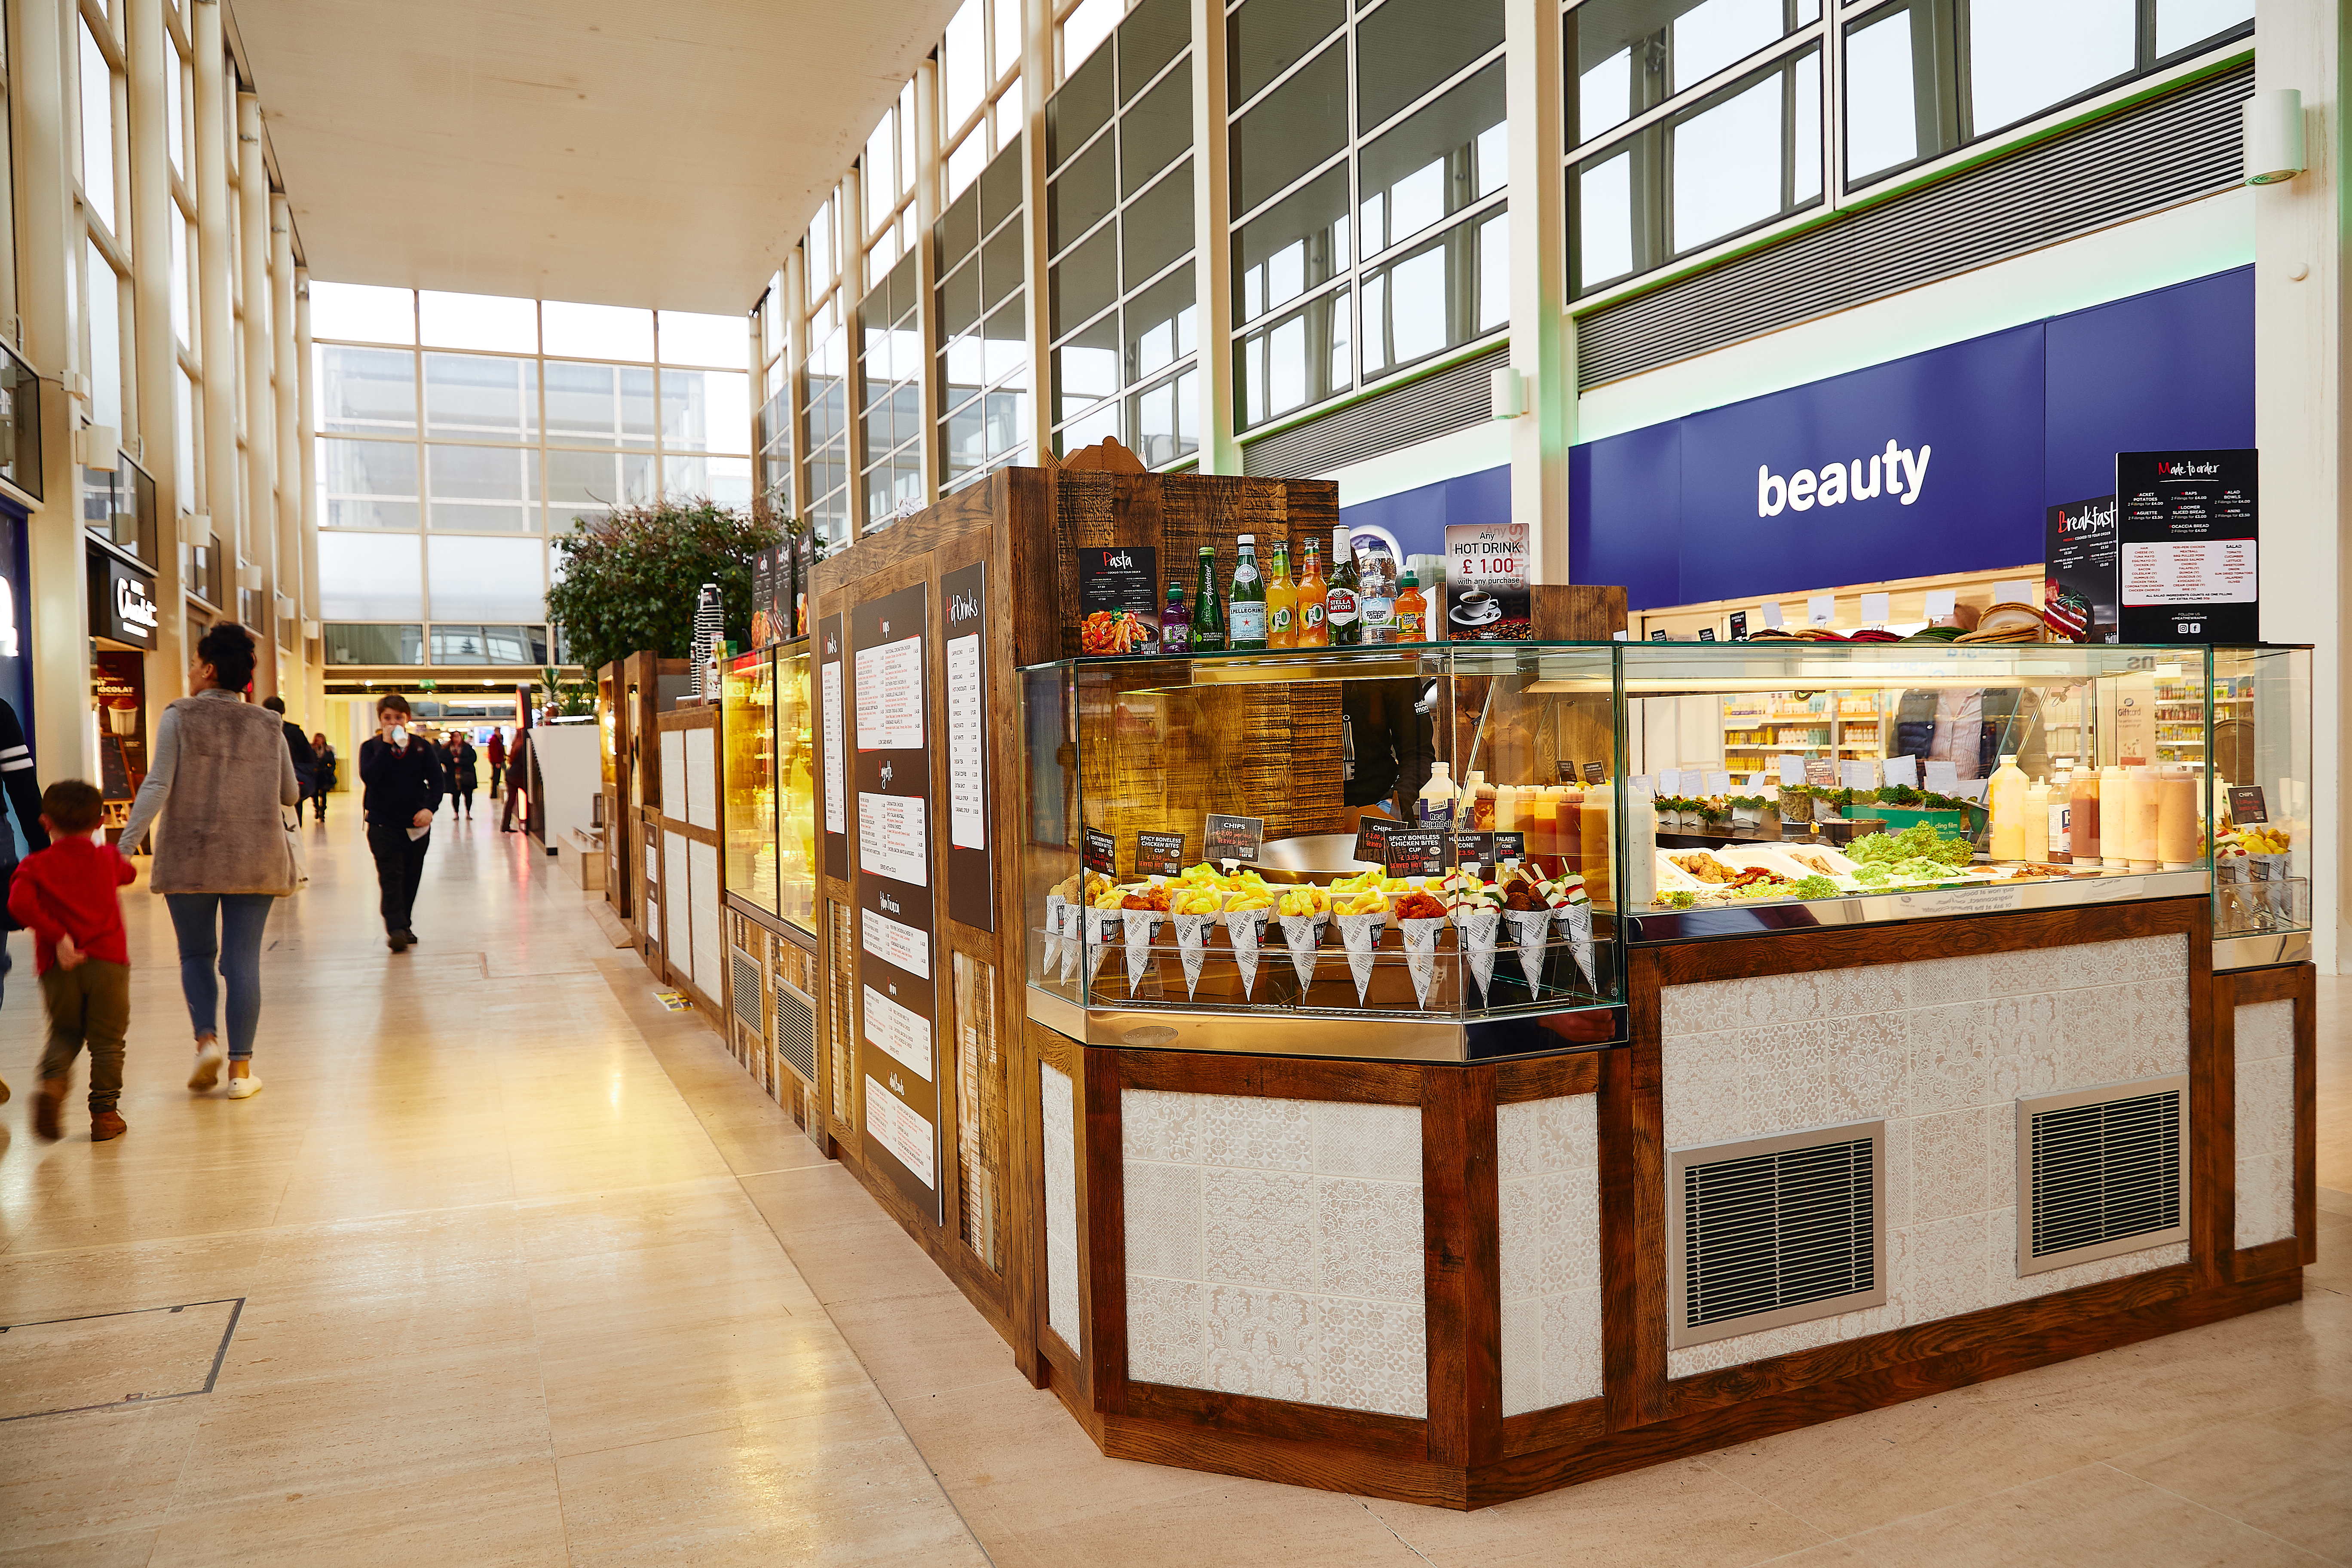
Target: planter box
(1950, 823)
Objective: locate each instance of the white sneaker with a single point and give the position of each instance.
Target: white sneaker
(209, 1058)
(244, 1088)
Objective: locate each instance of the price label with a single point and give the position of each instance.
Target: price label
(1719, 784)
(1706, 634)
(2246, 805)
(1903, 771)
(1510, 847)
(1855, 775)
(1821, 772)
(1670, 781)
(1792, 771)
(1658, 636)
(1372, 840)
(1875, 608)
(1739, 625)
(1232, 838)
(1821, 610)
(1772, 613)
(1941, 603)
(1940, 777)
(1595, 772)
(1101, 852)
(1415, 851)
(1159, 854)
(1567, 770)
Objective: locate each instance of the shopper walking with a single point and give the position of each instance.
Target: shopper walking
(221, 777)
(496, 753)
(402, 780)
(464, 776)
(25, 796)
(69, 894)
(323, 778)
(517, 785)
(306, 761)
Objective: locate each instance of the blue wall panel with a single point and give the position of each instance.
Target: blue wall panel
(1624, 512)
(1417, 517)
(2161, 369)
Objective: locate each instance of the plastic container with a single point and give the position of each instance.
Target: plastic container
(2005, 794)
(1437, 796)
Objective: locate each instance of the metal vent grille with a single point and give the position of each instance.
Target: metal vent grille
(2153, 155)
(1775, 1231)
(2104, 1171)
(744, 972)
(1421, 410)
(797, 1031)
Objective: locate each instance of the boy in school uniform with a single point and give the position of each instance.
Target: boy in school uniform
(67, 894)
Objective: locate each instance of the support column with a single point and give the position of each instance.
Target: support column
(1541, 331)
(285, 401)
(151, 57)
(48, 232)
(927, 265)
(851, 227)
(1211, 246)
(2302, 417)
(215, 321)
(796, 352)
(1036, 86)
(306, 501)
(260, 417)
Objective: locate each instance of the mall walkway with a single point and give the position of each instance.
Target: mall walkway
(513, 1266)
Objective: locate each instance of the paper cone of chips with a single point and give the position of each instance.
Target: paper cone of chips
(1300, 931)
(1191, 944)
(1531, 933)
(1142, 927)
(1420, 953)
(1360, 934)
(1246, 929)
(1052, 963)
(1576, 924)
(1102, 926)
(1480, 924)
(1073, 922)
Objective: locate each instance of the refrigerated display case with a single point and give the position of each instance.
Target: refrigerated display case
(2259, 748)
(771, 823)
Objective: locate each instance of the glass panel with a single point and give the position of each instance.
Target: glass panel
(1154, 32)
(2181, 23)
(370, 576)
(1163, 421)
(1090, 428)
(98, 133)
(1431, 299)
(963, 69)
(1408, 46)
(960, 300)
(472, 395)
(726, 481)
(1086, 367)
(748, 724)
(1081, 108)
(1155, 130)
(1085, 281)
(1086, 29)
(486, 579)
(1298, 243)
(1082, 195)
(367, 484)
(967, 438)
(964, 161)
(705, 409)
(2024, 56)
(2260, 739)
(596, 331)
(366, 389)
(1266, 37)
(362, 313)
(1006, 50)
(958, 230)
(1000, 188)
(105, 340)
(685, 337)
(1433, 165)
(1881, 114)
(1156, 226)
(1292, 128)
(1004, 265)
(1300, 359)
(1161, 325)
(487, 321)
(1630, 55)
(1005, 341)
(349, 644)
(1727, 163)
(1717, 33)
(480, 489)
(1008, 418)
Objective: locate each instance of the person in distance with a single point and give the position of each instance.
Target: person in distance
(401, 786)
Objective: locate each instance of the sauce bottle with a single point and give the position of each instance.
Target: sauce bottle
(2005, 793)
(1247, 609)
(2083, 817)
(2037, 821)
(1314, 631)
(2062, 812)
(2114, 849)
(1175, 622)
(1376, 601)
(2139, 817)
(1281, 601)
(1411, 612)
(2177, 842)
(1436, 799)
(1477, 804)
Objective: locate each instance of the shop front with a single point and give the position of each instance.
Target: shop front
(123, 622)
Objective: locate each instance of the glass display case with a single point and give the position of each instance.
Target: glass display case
(2258, 749)
(1372, 852)
(771, 800)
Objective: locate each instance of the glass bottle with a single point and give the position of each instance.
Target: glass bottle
(1411, 612)
(1340, 608)
(1247, 612)
(1175, 622)
(1281, 601)
(1208, 610)
(1376, 600)
(1314, 631)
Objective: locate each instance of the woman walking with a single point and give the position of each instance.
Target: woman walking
(221, 775)
(463, 776)
(323, 777)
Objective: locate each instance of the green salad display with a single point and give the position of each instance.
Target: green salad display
(1916, 843)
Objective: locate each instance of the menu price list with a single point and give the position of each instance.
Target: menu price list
(2187, 529)
(971, 876)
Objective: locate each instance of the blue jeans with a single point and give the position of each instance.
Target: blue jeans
(235, 947)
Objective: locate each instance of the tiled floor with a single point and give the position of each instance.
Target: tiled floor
(507, 1237)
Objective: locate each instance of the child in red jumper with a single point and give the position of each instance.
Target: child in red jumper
(66, 894)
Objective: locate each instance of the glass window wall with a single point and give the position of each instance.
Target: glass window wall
(983, 359)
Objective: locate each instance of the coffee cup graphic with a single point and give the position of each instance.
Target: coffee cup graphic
(1476, 609)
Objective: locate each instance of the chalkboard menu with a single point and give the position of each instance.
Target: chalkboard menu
(897, 961)
(1232, 838)
(832, 740)
(963, 608)
(1159, 854)
(2186, 533)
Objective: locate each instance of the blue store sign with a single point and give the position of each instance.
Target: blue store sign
(1943, 462)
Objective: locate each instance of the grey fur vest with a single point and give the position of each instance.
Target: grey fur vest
(222, 829)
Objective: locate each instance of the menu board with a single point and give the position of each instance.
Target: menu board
(804, 590)
(971, 888)
(1099, 852)
(1159, 854)
(1415, 851)
(2078, 585)
(2186, 533)
(898, 975)
(834, 740)
(765, 629)
(1232, 838)
(1486, 582)
(1118, 599)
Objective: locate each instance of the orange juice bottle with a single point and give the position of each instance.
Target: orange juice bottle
(1281, 601)
(1313, 631)
(1411, 612)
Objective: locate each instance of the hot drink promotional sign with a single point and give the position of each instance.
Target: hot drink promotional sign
(1486, 582)
(2186, 533)
(898, 960)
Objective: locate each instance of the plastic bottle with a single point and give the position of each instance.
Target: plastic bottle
(1593, 837)
(2062, 812)
(2139, 817)
(1436, 799)
(1175, 622)
(1411, 612)
(1314, 629)
(1376, 603)
(1281, 601)
(1477, 804)
(1640, 851)
(2037, 821)
(2083, 817)
(1247, 609)
(1340, 606)
(2005, 793)
(2115, 835)
(1208, 612)
(2177, 843)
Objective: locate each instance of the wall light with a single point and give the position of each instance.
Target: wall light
(2274, 136)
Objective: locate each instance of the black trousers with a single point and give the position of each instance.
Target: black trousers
(399, 862)
(462, 799)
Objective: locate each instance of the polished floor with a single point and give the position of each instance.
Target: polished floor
(523, 1270)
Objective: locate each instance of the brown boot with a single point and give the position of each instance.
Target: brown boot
(106, 1125)
(45, 1101)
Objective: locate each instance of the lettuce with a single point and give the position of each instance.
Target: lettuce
(1815, 888)
(1920, 841)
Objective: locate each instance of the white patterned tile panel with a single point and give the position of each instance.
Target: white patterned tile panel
(1163, 1220)
(1261, 1342)
(1382, 1142)
(1368, 1239)
(2266, 1107)
(1166, 1332)
(1259, 1134)
(1549, 1247)
(1158, 1126)
(1257, 1227)
(1371, 1356)
(2265, 1029)
(1059, 1102)
(2265, 1199)
(2265, 1123)
(1940, 1049)
(1572, 1347)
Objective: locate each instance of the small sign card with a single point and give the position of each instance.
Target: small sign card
(1874, 609)
(1658, 636)
(1489, 849)
(1567, 771)
(1941, 602)
(1706, 634)
(1159, 854)
(1510, 847)
(2246, 807)
(1372, 838)
(1118, 599)
(1739, 625)
(1856, 775)
(2015, 594)
(1772, 613)
(1670, 781)
(1101, 852)
(1642, 784)
(1973, 789)
(1792, 771)
(1821, 772)
(1821, 610)
(1719, 784)
(1903, 771)
(1595, 772)
(1415, 851)
(1939, 778)
(1232, 838)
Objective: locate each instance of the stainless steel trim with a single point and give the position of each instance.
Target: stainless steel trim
(2261, 952)
(1335, 1036)
(2027, 1109)
(1684, 925)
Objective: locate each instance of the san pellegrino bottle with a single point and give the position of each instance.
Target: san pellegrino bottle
(1208, 610)
(1340, 611)
(1246, 630)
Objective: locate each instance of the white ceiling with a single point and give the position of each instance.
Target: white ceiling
(665, 153)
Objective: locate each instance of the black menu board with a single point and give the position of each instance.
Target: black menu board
(1118, 599)
(832, 748)
(2078, 549)
(1159, 854)
(2246, 805)
(963, 608)
(1415, 851)
(803, 574)
(1098, 851)
(764, 625)
(1232, 838)
(2186, 532)
(1372, 840)
(897, 959)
